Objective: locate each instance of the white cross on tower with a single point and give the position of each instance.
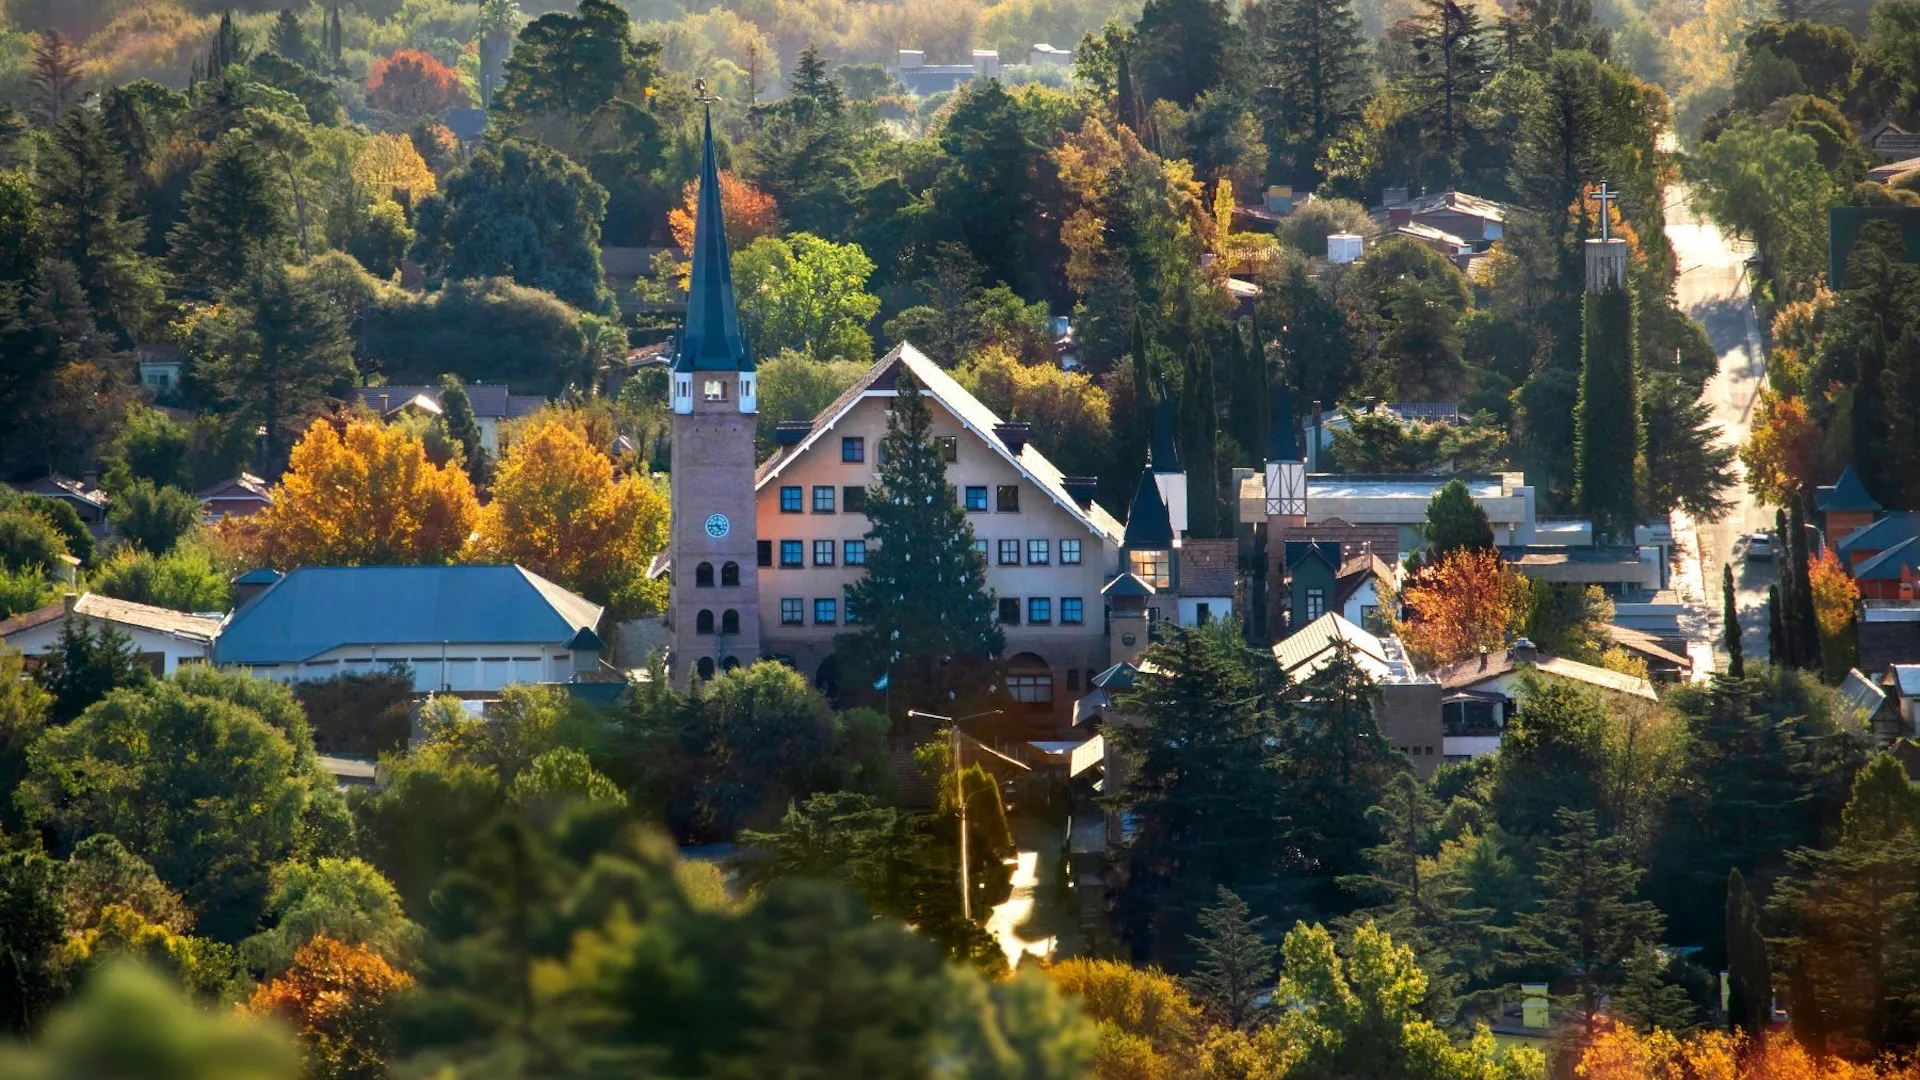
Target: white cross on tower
(1603, 197)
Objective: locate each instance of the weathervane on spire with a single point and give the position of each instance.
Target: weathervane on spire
(700, 92)
(1603, 197)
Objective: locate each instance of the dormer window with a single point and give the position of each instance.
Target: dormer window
(716, 390)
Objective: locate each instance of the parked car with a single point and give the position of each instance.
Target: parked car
(1760, 546)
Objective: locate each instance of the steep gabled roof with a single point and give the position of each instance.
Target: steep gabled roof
(1301, 652)
(1472, 672)
(315, 609)
(244, 486)
(1327, 551)
(56, 486)
(962, 406)
(1149, 526)
(712, 340)
(1845, 494)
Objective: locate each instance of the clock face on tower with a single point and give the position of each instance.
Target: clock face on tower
(718, 525)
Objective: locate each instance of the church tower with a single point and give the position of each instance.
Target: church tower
(714, 607)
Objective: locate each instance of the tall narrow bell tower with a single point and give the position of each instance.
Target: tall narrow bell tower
(714, 605)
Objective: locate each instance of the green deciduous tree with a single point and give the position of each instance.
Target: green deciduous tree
(1770, 187)
(30, 910)
(343, 899)
(805, 293)
(187, 578)
(925, 610)
(154, 517)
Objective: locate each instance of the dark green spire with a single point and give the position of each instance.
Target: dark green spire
(712, 341)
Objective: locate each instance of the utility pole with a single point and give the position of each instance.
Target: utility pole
(959, 797)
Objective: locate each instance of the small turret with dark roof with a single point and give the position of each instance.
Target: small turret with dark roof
(712, 340)
(1149, 528)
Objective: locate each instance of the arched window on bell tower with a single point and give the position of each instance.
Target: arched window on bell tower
(703, 575)
(730, 575)
(729, 621)
(703, 622)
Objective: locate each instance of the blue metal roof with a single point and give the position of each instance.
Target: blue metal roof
(315, 609)
(1887, 565)
(1881, 535)
(1846, 493)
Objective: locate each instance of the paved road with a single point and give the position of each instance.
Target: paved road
(1713, 288)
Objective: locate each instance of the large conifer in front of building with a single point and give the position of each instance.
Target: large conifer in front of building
(925, 613)
(1607, 437)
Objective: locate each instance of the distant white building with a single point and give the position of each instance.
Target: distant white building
(163, 638)
(925, 79)
(1045, 55)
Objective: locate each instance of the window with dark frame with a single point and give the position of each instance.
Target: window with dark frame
(853, 449)
(823, 498)
(1039, 610)
(1072, 611)
(1039, 552)
(1069, 553)
(826, 612)
(1006, 498)
(976, 499)
(980, 549)
(792, 611)
(764, 550)
(856, 553)
(949, 447)
(823, 552)
(703, 576)
(793, 554)
(1009, 553)
(790, 499)
(1010, 611)
(1316, 603)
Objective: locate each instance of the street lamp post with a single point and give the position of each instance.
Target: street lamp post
(960, 797)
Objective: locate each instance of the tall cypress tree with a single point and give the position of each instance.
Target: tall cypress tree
(1750, 975)
(457, 408)
(1730, 614)
(924, 609)
(1126, 98)
(1776, 632)
(1246, 407)
(1200, 424)
(1607, 434)
(1806, 624)
(1788, 653)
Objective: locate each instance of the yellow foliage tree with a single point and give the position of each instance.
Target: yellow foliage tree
(335, 996)
(1782, 450)
(207, 968)
(1149, 1027)
(1620, 1053)
(365, 496)
(559, 510)
(388, 166)
(1069, 411)
(1461, 605)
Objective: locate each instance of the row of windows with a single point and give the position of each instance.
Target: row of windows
(705, 666)
(793, 610)
(729, 575)
(853, 448)
(793, 499)
(793, 554)
(1006, 498)
(1073, 610)
(729, 622)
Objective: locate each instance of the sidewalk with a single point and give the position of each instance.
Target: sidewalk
(1690, 584)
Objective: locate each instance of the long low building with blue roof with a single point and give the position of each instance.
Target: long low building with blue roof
(467, 630)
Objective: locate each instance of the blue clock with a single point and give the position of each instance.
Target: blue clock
(718, 526)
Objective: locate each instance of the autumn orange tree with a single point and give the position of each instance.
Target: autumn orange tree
(1621, 1053)
(336, 997)
(750, 212)
(365, 496)
(412, 84)
(1782, 450)
(1834, 592)
(559, 510)
(1461, 605)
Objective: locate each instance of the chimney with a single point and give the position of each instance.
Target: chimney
(790, 432)
(1522, 651)
(1014, 434)
(248, 586)
(1081, 489)
(91, 479)
(71, 600)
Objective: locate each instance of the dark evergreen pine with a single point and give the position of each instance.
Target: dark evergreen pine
(1233, 963)
(1339, 768)
(334, 36)
(289, 39)
(1730, 616)
(1247, 403)
(1588, 925)
(1455, 522)
(281, 350)
(84, 199)
(225, 50)
(926, 614)
(1750, 976)
(1315, 65)
(236, 213)
(1126, 98)
(1206, 792)
(1181, 49)
(1789, 651)
(86, 665)
(56, 77)
(1453, 64)
(1607, 435)
(1199, 443)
